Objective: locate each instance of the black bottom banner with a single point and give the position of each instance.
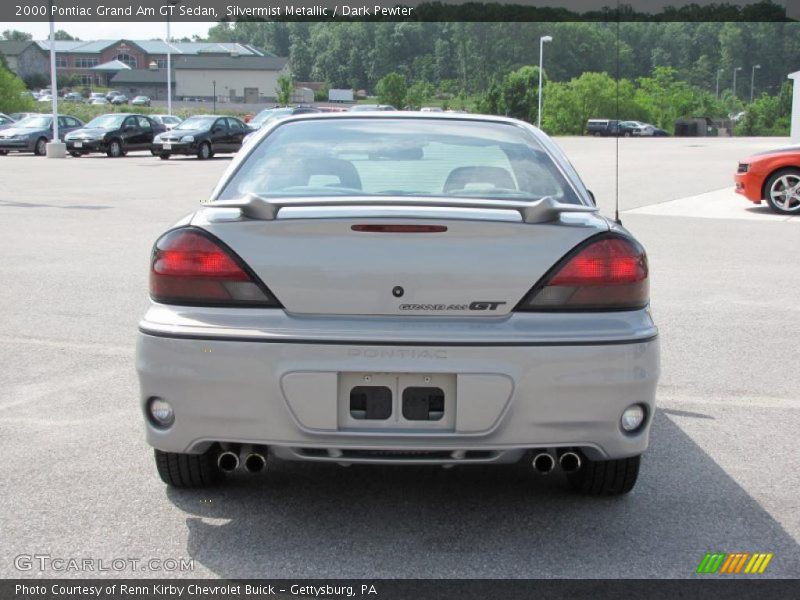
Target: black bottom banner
(394, 589)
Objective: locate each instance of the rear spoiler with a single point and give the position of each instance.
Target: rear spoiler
(542, 211)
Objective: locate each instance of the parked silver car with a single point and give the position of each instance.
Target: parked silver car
(399, 288)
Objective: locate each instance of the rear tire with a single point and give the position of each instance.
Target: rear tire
(605, 477)
(3, 152)
(76, 154)
(188, 470)
(164, 156)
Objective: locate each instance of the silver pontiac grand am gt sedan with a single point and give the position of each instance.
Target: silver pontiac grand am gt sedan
(404, 288)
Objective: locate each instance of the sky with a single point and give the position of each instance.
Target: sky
(111, 31)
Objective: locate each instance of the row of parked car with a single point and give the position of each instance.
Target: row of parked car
(618, 128)
(116, 134)
(95, 98)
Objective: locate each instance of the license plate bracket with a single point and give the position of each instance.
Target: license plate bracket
(401, 401)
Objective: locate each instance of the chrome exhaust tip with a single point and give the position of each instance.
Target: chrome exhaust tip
(228, 461)
(543, 463)
(570, 462)
(255, 462)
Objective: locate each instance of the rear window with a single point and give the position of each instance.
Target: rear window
(400, 157)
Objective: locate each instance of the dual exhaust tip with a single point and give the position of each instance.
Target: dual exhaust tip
(251, 460)
(544, 462)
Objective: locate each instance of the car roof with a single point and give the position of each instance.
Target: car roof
(404, 114)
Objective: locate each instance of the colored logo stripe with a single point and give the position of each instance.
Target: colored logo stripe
(711, 562)
(722, 563)
(758, 564)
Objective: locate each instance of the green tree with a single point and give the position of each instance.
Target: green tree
(568, 106)
(520, 93)
(418, 95)
(64, 36)
(285, 89)
(392, 89)
(16, 36)
(665, 98)
(12, 90)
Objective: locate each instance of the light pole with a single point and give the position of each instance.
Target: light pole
(54, 149)
(719, 72)
(753, 80)
(172, 3)
(542, 40)
(735, 70)
(215, 95)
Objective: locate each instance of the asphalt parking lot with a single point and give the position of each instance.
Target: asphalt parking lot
(722, 474)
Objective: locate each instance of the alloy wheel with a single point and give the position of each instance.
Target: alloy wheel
(785, 192)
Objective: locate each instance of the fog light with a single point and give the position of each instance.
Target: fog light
(161, 412)
(632, 418)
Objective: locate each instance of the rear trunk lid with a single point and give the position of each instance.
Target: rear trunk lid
(322, 266)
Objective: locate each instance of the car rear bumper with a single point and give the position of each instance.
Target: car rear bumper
(281, 388)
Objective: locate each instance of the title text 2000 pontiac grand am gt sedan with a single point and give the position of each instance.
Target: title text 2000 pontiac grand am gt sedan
(399, 288)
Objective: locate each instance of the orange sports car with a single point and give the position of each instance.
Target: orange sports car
(773, 176)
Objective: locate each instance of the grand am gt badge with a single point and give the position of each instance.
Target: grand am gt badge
(477, 305)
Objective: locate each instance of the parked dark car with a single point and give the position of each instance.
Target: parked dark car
(611, 127)
(32, 133)
(116, 134)
(202, 136)
(119, 100)
(270, 114)
(111, 93)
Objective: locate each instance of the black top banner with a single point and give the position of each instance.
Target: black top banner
(392, 10)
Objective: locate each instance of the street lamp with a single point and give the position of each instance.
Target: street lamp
(753, 80)
(169, 58)
(719, 72)
(54, 149)
(735, 70)
(542, 40)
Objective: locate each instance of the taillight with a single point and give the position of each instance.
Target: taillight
(607, 273)
(191, 267)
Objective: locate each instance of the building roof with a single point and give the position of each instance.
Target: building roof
(232, 63)
(142, 76)
(112, 65)
(157, 47)
(12, 48)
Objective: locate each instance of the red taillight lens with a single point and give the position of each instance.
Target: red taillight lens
(609, 273)
(189, 267)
